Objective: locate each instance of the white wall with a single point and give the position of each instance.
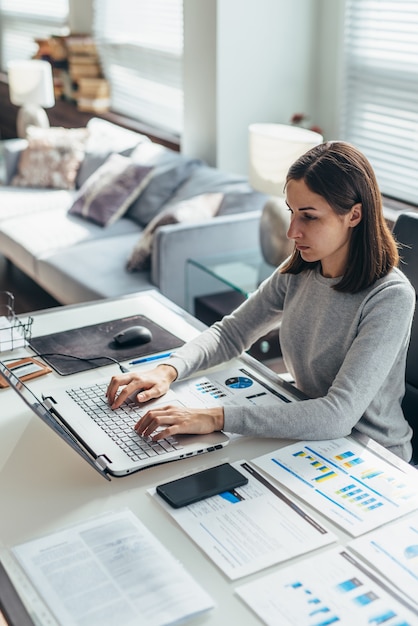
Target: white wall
(329, 62)
(262, 71)
(81, 16)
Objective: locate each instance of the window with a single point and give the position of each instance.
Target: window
(141, 48)
(21, 21)
(380, 112)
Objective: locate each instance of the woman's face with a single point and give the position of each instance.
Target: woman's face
(319, 233)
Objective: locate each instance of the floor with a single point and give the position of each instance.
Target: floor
(28, 297)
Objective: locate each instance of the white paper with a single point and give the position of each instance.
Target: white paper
(328, 588)
(347, 482)
(110, 571)
(11, 337)
(250, 528)
(393, 551)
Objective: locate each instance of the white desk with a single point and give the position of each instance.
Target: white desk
(46, 486)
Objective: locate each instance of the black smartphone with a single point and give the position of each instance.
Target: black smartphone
(204, 484)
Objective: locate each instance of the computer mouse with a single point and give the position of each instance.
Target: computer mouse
(134, 335)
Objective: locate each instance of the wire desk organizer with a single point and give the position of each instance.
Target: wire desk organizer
(14, 332)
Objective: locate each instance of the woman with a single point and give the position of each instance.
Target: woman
(347, 313)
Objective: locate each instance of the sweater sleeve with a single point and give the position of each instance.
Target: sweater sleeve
(378, 350)
(236, 332)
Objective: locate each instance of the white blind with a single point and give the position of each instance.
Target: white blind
(141, 48)
(380, 112)
(21, 21)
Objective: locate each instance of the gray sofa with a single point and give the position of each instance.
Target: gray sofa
(76, 259)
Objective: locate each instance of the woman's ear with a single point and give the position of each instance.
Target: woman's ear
(356, 214)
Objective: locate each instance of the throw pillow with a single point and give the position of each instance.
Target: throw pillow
(242, 202)
(52, 157)
(207, 179)
(105, 138)
(171, 169)
(110, 191)
(195, 209)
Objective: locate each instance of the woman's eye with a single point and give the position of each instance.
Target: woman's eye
(309, 218)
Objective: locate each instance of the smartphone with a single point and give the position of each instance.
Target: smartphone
(201, 485)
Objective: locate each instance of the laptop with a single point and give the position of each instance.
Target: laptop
(106, 439)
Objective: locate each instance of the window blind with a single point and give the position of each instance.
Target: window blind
(21, 21)
(140, 43)
(380, 90)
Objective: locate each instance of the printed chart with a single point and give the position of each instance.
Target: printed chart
(325, 589)
(393, 550)
(345, 480)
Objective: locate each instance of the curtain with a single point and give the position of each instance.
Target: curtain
(380, 90)
(21, 21)
(140, 43)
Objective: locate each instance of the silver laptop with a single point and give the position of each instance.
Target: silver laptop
(106, 438)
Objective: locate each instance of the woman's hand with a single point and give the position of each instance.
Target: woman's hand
(173, 420)
(149, 384)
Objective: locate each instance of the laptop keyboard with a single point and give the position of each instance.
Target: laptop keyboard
(118, 424)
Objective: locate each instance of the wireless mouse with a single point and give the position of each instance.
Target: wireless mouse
(134, 335)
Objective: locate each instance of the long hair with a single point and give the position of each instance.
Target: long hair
(343, 176)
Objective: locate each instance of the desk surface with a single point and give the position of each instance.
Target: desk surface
(46, 486)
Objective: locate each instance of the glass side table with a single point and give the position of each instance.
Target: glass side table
(216, 285)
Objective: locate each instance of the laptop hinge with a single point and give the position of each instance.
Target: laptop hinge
(102, 462)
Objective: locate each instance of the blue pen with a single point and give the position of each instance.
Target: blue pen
(154, 357)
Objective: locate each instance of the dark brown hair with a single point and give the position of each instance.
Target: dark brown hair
(343, 176)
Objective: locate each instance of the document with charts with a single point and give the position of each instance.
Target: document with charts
(251, 527)
(393, 551)
(348, 482)
(329, 588)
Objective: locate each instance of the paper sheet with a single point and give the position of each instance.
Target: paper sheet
(250, 528)
(110, 571)
(328, 588)
(346, 481)
(393, 551)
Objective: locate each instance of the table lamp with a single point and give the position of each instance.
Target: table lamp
(272, 150)
(31, 87)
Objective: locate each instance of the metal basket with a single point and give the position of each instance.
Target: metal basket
(14, 332)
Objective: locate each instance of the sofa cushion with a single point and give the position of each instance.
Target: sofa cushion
(206, 179)
(241, 202)
(52, 158)
(95, 269)
(110, 190)
(171, 169)
(18, 201)
(103, 140)
(12, 149)
(195, 209)
(24, 240)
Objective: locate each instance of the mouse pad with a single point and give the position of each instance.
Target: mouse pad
(97, 341)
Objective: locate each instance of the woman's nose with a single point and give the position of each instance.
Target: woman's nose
(292, 230)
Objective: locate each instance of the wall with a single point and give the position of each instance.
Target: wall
(245, 61)
(328, 72)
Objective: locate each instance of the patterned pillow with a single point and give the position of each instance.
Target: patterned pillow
(109, 192)
(52, 157)
(194, 209)
(171, 169)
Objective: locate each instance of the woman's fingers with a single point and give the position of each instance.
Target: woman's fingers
(172, 420)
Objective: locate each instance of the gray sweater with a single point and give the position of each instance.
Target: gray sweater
(347, 352)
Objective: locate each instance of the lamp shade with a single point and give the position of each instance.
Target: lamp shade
(272, 150)
(31, 83)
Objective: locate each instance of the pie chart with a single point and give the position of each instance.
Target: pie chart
(238, 382)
